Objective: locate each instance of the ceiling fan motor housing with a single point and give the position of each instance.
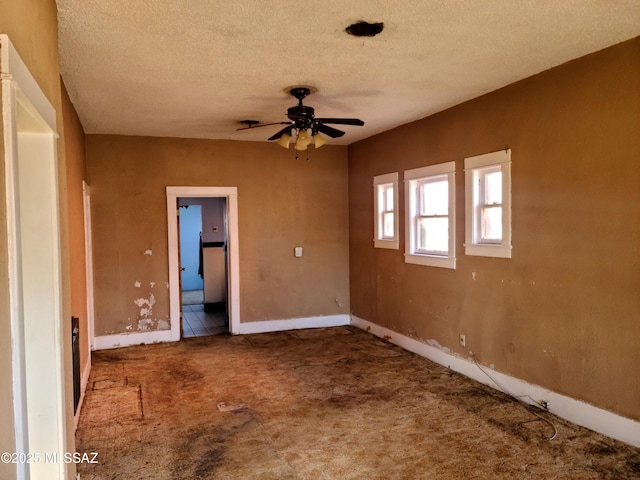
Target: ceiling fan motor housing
(301, 115)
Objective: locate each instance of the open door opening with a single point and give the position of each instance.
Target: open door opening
(203, 266)
(218, 261)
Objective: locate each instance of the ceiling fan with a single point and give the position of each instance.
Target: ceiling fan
(303, 121)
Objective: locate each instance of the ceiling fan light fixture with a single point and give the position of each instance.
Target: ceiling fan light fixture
(319, 140)
(284, 140)
(303, 139)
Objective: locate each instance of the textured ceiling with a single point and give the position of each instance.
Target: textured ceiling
(194, 68)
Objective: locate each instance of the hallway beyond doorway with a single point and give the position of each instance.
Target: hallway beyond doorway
(192, 297)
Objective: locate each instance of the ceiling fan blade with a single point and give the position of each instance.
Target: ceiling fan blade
(341, 121)
(262, 125)
(327, 130)
(286, 130)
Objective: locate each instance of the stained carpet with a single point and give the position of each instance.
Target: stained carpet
(319, 404)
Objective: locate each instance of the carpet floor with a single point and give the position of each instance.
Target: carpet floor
(334, 403)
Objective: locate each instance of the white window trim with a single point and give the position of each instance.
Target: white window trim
(410, 176)
(378, 242)
(502, 249)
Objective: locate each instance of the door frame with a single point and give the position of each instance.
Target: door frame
(88, 257)
(233, 294)
(88, 248)
(34, 268)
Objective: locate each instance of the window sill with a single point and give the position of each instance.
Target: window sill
(430, 260)
(488, 250)
(390, 244)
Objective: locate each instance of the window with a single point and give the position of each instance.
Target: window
(429, 198)
(385, 201)
(488, 204)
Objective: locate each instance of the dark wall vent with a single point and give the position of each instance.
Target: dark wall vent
(364, 29)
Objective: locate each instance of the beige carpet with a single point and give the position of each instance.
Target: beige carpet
(319, 404)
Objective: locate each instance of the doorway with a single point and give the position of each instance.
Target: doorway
(203, 266)
(230, 300)
(191, 279)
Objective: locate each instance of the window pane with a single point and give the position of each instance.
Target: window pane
(433, 235)
(388, 226)
(381, 193)
(493, 188)
(434, 198)
(389, 195)
(491, 224)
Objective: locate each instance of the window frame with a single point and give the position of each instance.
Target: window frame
(389, 180)
(476, 168)
(413, 179)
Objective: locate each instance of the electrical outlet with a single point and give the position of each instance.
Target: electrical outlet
(463, 340)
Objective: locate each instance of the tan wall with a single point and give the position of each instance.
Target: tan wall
(32, 28)
(282, 203)
(76, 174)
(563, 312)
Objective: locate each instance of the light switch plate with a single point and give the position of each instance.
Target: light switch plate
(297, 251)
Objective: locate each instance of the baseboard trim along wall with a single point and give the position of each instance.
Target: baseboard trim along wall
(576, 411)
(294, 324)
(106, 342)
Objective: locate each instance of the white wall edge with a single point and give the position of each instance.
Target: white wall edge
(576, 411)
(106, 342)
(83, 389)
(295, 324)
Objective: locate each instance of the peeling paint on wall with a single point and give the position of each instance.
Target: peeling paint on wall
(145, 320)
(137, 284)
(435, 343)
(145, 324)
(152, 284)
(143, 301)
(148, 252)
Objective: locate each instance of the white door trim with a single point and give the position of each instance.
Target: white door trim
(231, 194)
(88, 246)
(34, 267)
(88, 251)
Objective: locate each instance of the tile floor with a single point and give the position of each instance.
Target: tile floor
(198, 323)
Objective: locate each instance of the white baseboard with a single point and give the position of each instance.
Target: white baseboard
(576, 411)
(129, 339)
(83, 389)
(143, 338)
(294, 324)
